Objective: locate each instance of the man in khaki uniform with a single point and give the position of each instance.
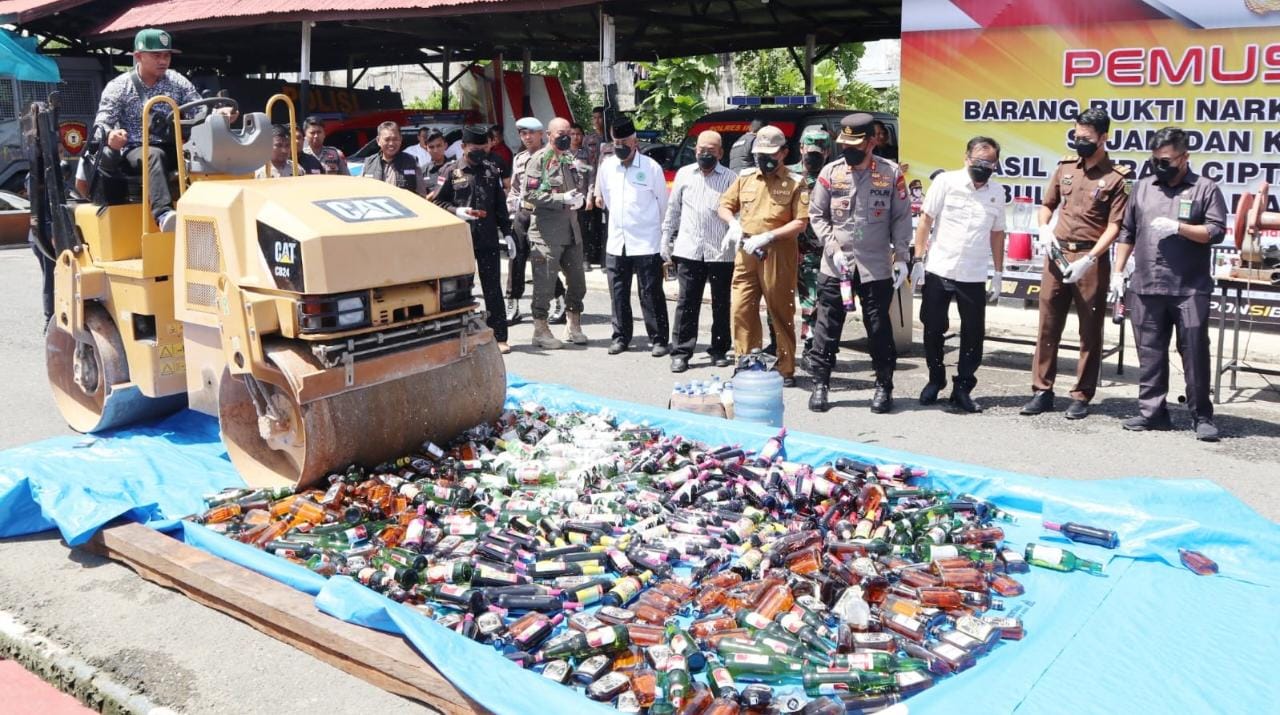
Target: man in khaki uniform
(1091, 193)
(766, 207)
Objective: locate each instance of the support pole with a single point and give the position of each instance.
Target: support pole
(445, 82)
(526, 76)
(304, 71)
(351, 71)
(810, 46)
(498, 88)
(607, 61)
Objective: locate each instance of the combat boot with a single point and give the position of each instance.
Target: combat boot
(542, 337)
(818, 398)
(574, 332)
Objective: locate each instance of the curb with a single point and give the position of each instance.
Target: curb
(57, 666)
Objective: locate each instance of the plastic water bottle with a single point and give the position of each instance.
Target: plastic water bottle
(757, 397)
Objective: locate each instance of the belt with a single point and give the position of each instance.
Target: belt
(1077, 245)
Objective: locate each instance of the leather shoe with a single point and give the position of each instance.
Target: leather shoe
(788, 380)
(1147, 424)
(660, 350)
(818, 398)
(929, 394)
(1077, 410)
(721, 360)
(616, 347)
(882, 401)
(1042, 401)
(679, 364)
(1206, 431)
(961, 400)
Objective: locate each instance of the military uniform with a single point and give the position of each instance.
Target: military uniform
(1090, 199)
(520, 215)
(555, 238)
(765, 203)
(479, 187)
(810, 265)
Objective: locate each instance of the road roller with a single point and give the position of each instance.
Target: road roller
(324, 320)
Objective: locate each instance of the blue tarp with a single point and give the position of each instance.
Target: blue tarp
(20, 59)
(1147, 636)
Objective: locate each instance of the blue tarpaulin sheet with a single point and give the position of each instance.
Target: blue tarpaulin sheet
(1148, 636)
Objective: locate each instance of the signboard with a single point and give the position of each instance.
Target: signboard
(1020, 71)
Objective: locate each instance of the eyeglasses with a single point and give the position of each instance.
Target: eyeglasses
(984, 164)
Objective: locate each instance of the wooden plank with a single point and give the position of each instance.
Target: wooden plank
(286, 614)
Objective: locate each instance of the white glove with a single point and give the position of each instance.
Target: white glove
(511, 244)
(1078, 269)
(731, 237)
(1162, 226)
(839, 261)
(917, 272)
(1117, 287)
(665, 250)
(899, 274)
(997, 279)
(757, 242)
(464, 213)
(1045, 239)
(574, 199)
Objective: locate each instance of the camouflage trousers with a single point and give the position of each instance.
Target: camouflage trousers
(807, 292)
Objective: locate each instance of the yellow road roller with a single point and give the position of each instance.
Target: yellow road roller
(324, 320)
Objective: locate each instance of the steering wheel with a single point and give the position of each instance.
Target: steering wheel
(162, 123)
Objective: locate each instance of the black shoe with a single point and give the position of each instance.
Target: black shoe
(679, 364)
(616, 347)
(929, 394)
(1145, 424)
(788, 380)
(556, 314)
(513, 311)
(1206, 431)
(805, 365)
(1077, 410)
(721, 361)
(882, 401)
(961, 400)
(660, 350)
(818, 398)
(771, 350)
(1041, 402)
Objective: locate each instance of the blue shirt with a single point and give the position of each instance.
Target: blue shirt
(121, 105)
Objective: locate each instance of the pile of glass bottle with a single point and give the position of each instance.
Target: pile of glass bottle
(663, 575)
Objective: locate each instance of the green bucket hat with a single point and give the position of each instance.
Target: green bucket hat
(153, 40)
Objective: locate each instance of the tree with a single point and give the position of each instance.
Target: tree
(673, 91)
(775, 72)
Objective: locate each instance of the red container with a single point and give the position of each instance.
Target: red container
(1019, 248)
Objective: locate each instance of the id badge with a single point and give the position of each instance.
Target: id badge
(1184, 209)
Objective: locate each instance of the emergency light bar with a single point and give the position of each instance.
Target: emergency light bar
(790, 100)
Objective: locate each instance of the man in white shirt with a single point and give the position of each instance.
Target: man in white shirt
(967, 207)
(632, 188)
(693, 234)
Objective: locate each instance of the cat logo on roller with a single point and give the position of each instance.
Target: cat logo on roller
(369, 208)
(285, 252)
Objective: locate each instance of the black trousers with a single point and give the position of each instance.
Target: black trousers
(874, 297)
(935, 304)
(516, 264)
(693, 277)
(592, 238)
(653, 302)
(46, 290)
(489, 266)
(1155, 318)
(159, 161)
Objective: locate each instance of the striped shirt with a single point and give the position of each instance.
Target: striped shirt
(695, 198)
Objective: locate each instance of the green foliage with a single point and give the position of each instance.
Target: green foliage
(673, 90)
(774, 72)
(433, 100)
(571, 78)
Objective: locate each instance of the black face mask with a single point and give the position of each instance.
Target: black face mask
(813, 162)
(1164, 171)
(853, 157)
(562, 141)
(622, 151)
(979, 174)
(766, 163)
(475, 156)
(707, 162)
(1085, 149)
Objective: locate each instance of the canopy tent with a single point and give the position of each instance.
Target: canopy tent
(20, 59)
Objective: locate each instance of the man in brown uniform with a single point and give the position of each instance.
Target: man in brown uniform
(1092, 193)
(766, 207)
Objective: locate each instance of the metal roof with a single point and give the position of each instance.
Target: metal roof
(21, 11)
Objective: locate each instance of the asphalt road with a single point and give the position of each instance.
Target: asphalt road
(193, 659)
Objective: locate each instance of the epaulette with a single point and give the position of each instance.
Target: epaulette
(1069, 159)
(1121, 169)
(748, 171)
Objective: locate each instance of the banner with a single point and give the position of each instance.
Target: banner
(1020, 71)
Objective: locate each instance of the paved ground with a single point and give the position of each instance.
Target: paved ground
(190, 658)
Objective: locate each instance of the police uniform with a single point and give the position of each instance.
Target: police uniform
(766, 203)
(555, 238)
(863, 215)
(1090, 200)
(479, 187)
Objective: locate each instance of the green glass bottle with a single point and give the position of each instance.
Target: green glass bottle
(609, 639)
(1052, 557)
(832, 681)
(763, 667)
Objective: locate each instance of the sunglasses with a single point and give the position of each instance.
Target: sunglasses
(984, 164)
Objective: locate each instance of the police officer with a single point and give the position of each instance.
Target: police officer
(531, 138)
(740, 154)
(1170, 225)
(861, 212)
(471, 187)
(554, 189)
(766, 209)
(815, 151)
(1091, 193)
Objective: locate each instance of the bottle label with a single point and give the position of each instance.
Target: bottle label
(861, 661)
(680, 644)
(451, 590)
(495, 575)
(722, 678)
(792, 622)
(676, 662)
(776, 645)
(750, 659)
(1047, 554)
(601, 637)
(530, 630)
(950, 652)
(907, 622)
(755, 620)
(944, 551)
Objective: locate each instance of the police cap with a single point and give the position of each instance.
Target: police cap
(855, 128)
(529, 124)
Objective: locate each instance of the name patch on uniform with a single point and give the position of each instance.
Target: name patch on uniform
(373, 208)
